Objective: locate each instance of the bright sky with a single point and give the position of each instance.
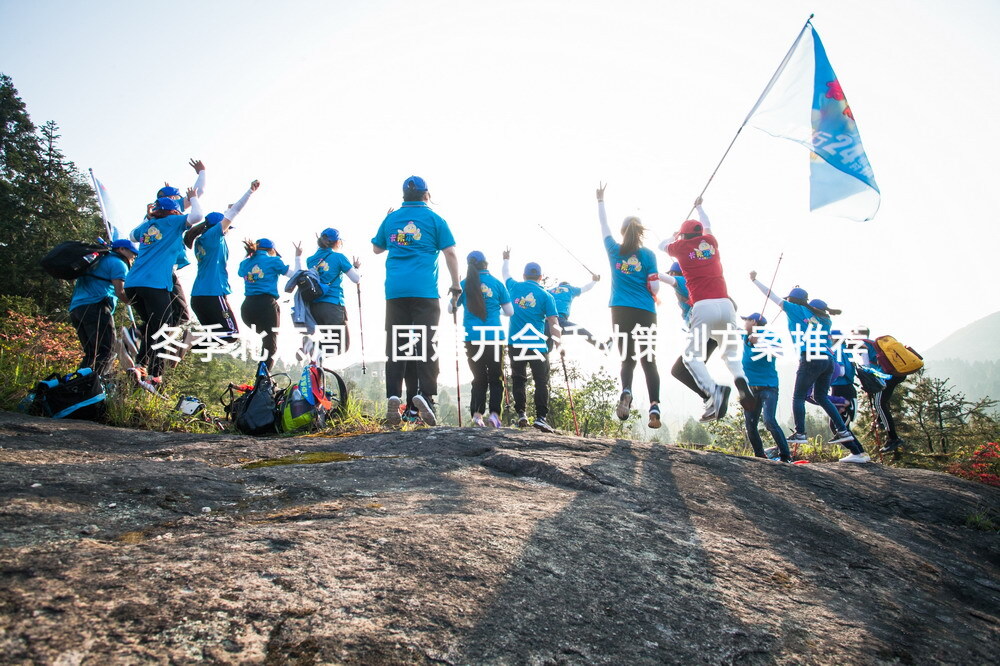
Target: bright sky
(513, 111)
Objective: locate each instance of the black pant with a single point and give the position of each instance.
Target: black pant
(413, 312)
(332, 314)
(95, 326)
(882, 401)
(624, 319)
(212, 310)
(486, 373)
(683, 375)
(261, 311)
(179, 314)
(153, 307)
(519, 380)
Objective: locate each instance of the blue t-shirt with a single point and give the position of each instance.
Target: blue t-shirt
(495, 295)
(683, 297)
(90, 288)
(212, 253)
(564, 295)
(260, 273)
(628, 276)
(810, 332)
(413, 237)
(532, 305)
(161, 242)
(330, 266)
(760, 371)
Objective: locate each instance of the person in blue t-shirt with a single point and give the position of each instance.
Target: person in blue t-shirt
(150, 281)
(331, 266)
(413, 236)
(92, 306)
(210, 292)
(634, 285)
(564, 294)
(762, 377)
(534, 313)
(260, 272)
(809, 324)
(484, 298)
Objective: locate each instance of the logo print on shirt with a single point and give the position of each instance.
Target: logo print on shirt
(703, 251)
(199, 250)
(322, 267)
(255, 274)
(526, 302)
(407, 235)
(630, 265)
(151, 235)
(487, 292)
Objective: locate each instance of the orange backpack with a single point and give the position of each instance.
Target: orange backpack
(896, 358)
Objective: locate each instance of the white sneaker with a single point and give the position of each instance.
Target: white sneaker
(709, 414)
(841, 436)
(477, 421)
(392, 417)
(856, 458)
(424, 409)
(624, 405)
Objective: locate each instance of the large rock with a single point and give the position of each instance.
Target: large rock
(478, 546)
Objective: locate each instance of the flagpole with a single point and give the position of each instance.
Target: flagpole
(767, 89)
(100, 202)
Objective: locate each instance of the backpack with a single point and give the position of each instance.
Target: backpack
(253, 412)
(72, 259)
(313, 400)
(78, 395)
(872, 380)
(896, 358)
(310, 288)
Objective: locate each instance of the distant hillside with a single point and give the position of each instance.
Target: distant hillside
(975, 342)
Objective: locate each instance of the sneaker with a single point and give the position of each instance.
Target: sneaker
(392, 411)
(424, 409)
(771, 452)
(856, 458)
(721, 400)
(892, 446)
(747, 399)
(709, 414)
(624, 405)
(654, 417)
(477, 421)
(797, 438)
(541, 424)
(522, 420)
(494, 421)
(841, 436)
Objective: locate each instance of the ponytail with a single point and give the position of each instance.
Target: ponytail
(250, 246)
(474, 300)
(632, 235)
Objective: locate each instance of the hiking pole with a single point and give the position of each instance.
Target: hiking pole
(458, 381)
(569, 392)
(567, 250)
(767, 296)
(361, 329)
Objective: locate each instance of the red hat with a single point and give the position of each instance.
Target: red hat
(691, 227)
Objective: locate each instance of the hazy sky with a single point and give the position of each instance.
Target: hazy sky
(513, 111)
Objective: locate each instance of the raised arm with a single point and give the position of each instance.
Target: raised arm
(196, 215)
(505, 271)
(601, 214)
(594, 279)
(235, 209)
(767, 292)
(706, 224)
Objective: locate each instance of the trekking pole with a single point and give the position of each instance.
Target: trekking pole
(767, 296)
(567, 249)
(458, 381)
(569, 392)
(361, 329)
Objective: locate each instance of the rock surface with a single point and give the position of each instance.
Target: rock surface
(478, 546)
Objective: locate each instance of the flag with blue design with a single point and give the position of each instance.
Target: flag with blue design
(805, 103)
(108, 210)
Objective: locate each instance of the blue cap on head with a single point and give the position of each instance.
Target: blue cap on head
(836, 333)
(265, 244)
(331, 234)
(675, 268)
(818, 304)
(414, 183)
(756, 318)
(214, 218)
(166, 203)
(168, 192)
(532, 270)
(125, 243)
(798, 293)
(476, 256)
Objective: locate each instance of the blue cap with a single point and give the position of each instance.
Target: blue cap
(476, 256)
(818, 304)
(168, 192)
(532, 270)
(837, 333)
(265, 244)
(214, 218)
(166, 203)
(798, 293)
(414, 183)
(125, 243)
(675, 268)
(331, 234)
(756, 318)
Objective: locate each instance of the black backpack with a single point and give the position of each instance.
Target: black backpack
(309, 287)
(254, 412)
(79, 395)
(72, 259)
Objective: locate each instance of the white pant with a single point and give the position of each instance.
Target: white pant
(713, 319)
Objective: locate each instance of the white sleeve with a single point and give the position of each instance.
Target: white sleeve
(196, 215)
(605, 229)
(199, 183)
(296, 268)
(770, 294)
(508, 309)
(235, 209)
(353, 276)
(669, 279)
(587, 287)
(654, 286)
(706, 224)
(506, 270)
(664, 243)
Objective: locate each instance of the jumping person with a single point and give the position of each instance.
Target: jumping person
(260, 272)
(675, 278)
(564, 294)
(712, 312)
(92, 306)
(882, 400)
(758, 365)
(413, 236)
(634, 284)
(331, 266)
(535, 313)
(809, 324)
(149, 284)
(210, 292)
(484, 297)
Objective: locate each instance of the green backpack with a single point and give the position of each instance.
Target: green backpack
(321, 394)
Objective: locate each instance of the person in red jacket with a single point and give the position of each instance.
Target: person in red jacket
(713, 314)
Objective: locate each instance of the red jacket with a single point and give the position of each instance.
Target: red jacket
(701, 266)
